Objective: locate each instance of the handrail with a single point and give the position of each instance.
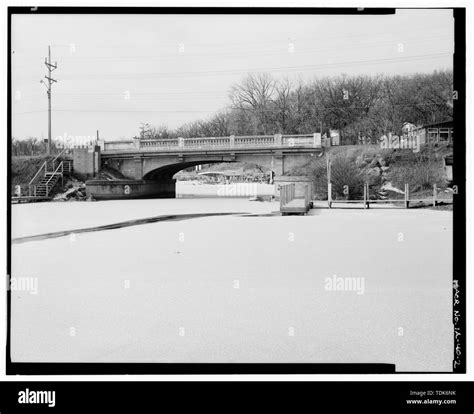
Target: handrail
(52, 175)
(34, 178)
(57, 156)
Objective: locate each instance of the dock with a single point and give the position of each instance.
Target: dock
(29, 199)
(292, 204)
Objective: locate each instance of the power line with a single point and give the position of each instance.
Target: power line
(227, 44)
(132, 94)
(270, 69)
(231, 55)
(115, 111)
(214, 110)
(119, 97)
(297, 50)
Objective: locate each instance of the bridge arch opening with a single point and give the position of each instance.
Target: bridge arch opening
(171, 171)
(218, 178)
(167, 172)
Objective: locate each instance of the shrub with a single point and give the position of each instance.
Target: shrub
(422, 174)
(346, 178)
(319, 173)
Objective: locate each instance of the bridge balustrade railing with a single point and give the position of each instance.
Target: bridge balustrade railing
(159, 143)
(207, 142)
(213, 142)
(118, 145)
(258, 140)
(297, 140)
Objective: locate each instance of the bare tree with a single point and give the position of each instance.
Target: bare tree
(255, 93)
(359, 106)
(282, 103)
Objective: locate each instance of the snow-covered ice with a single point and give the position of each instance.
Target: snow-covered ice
(233, 288)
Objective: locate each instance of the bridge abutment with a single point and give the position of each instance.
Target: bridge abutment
(130, 189)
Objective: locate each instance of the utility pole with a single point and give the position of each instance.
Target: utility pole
(48, 84)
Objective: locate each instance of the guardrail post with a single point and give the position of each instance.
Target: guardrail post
(435, 192)
(407, 196)
(278, 140)
(180, 142)
(366, 204)
(232, 140)
(368, 195)
(329, 195)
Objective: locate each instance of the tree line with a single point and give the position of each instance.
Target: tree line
(361, 107)
(31, 146)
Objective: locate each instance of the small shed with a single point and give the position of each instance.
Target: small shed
(438, 132)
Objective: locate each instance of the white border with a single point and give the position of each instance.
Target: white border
(248, 3)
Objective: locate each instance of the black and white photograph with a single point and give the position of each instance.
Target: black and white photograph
(220, 190)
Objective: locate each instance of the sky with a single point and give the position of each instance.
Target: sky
(116, 71)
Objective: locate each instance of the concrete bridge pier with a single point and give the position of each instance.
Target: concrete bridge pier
(138, 170)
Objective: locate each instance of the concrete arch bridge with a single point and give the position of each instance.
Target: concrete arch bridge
(151, 164)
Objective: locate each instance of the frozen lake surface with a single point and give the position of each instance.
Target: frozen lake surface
(233, 288)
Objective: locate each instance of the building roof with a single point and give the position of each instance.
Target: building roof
(443, 124)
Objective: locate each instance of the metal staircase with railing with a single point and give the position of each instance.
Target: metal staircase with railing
(45, 181)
